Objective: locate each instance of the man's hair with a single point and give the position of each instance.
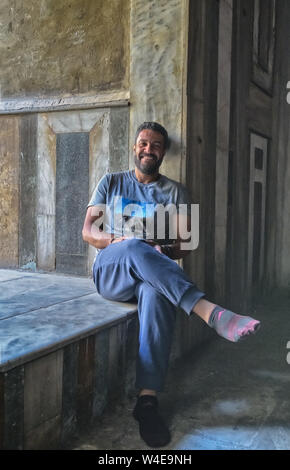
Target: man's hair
(154, 126)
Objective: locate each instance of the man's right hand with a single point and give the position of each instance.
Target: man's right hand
(119, 239)
(94, 234)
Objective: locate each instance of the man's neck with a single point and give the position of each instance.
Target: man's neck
(146, 179)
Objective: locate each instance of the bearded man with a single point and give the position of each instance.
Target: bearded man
(133, 262)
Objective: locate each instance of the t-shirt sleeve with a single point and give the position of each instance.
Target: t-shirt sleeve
(183, 198)
(99, 195)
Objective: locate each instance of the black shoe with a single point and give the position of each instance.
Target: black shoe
(152, 428)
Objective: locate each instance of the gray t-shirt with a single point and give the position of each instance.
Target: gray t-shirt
(140, 210)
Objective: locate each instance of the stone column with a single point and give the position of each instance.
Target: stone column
(157, 72)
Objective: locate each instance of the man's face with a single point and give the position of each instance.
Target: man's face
(149, 151)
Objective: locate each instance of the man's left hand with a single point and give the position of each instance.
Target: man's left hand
(154, 245)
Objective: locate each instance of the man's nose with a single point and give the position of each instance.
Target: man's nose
(148, 147)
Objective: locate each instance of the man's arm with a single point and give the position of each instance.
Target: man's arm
(92, 233)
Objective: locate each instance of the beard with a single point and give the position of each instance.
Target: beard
(148, 167)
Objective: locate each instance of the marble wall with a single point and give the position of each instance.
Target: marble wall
(106, 56)
(44, 190)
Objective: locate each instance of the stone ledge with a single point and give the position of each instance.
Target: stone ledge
(44, 312)
(64, 352)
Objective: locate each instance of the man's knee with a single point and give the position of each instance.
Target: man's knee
(150, 292)
(158, 303)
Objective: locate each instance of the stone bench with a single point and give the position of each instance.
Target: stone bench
(66, 354)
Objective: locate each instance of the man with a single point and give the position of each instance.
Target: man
(132, 264)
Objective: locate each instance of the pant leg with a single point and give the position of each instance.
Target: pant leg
(119, 267)
(133, 268)
(157, 320)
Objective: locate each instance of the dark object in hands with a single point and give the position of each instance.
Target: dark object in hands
(167, 250)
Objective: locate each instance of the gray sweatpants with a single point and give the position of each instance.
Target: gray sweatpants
(133, 269)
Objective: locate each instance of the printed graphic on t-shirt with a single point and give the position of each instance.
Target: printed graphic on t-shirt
(146, 220)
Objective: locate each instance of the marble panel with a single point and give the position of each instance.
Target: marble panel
(74, 121)
(46, 169)
(28, 187)
(9, 191)
(99, 148)
(99, 162)
(72, 192)
(119, 128)
(108, 143)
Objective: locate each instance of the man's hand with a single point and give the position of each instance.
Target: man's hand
(94, 234)
(154, 245)
(119, 239)
(172, 251)
(150, 242)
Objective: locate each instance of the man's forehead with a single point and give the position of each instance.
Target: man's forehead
(148, 134)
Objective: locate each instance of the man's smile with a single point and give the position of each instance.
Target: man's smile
(150, 157)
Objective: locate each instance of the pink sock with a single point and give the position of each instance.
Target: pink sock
(232, 326)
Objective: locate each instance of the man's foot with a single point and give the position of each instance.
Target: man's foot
(152, 428)
(232, 326)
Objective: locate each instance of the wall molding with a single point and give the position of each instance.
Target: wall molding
(63, 103)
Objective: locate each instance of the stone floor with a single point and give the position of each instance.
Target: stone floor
(225, 396)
